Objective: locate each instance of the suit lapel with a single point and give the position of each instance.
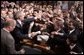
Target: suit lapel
(18, 24)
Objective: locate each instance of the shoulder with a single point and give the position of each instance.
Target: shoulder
(3, 32)
(77, 49)
(10, 38)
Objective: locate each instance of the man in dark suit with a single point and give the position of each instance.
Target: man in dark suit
(75, 27)
(2, 22)
(18, 33)
(7, 41)
(26, 25)
(75, 48)
(58, 39)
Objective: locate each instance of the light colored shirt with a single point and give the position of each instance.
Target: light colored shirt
(71, 47)
(5, 29)
(42, 38)
(71, 31)
(19, 22)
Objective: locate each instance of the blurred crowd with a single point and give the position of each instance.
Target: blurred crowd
(61, 21)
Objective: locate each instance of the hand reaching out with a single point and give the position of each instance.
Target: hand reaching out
(22, 51)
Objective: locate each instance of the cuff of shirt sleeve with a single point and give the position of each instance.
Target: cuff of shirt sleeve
(38, 32)
(29, 35)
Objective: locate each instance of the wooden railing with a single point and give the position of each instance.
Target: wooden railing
(42, 46)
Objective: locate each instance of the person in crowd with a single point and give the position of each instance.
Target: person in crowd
(58, 20)
(18, 33)
(7, 40)
(75, 48)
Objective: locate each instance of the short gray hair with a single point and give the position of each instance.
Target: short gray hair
(10, 22)
(18, 14)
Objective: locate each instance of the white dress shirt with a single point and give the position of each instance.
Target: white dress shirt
(71, 47)
(5, 30)
(71, 31)
(19, 22)
(42, 38)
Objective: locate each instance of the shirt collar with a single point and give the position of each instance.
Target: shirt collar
(19, 21)
(71, 31)
(71, 47)
(5, 30)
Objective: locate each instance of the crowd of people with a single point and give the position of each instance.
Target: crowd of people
(59, 24)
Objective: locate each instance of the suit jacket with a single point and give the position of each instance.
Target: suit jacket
(26, 28)
(27, 24)
(35, 29)
(2, 23)
(57, 40)
(7, 43)
(18, 35)
(77, 49)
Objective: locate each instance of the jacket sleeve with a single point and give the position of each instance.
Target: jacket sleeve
(19, 33)
(10, 43)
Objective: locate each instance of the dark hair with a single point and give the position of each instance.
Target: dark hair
(40, 21)
(3, 8)
(36, 11)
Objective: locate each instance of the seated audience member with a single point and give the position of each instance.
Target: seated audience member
(79, 27)
(73, 45)
(7, 41)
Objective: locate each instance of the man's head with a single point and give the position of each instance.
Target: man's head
(70, 25)
(3, 12)
(20, 15)
(80, 25)
(10, 25)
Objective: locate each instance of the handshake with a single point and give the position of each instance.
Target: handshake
(22, 51)
(57, 33)
(34, 33)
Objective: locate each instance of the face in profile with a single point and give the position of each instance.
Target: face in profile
(70, 25)
(22, 16)
(81, 25)
(13, 26)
